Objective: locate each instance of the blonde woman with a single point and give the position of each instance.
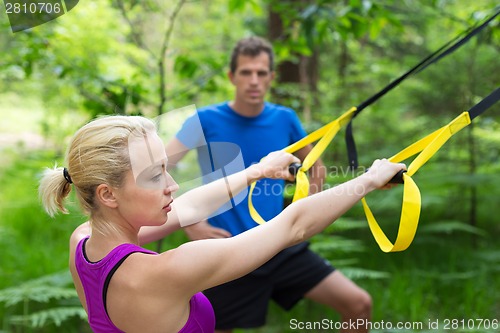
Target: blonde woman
(117, 167)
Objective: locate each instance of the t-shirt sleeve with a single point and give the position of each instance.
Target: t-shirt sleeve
(297, 131)
(191, 133)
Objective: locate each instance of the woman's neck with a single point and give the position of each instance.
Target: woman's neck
(105, 236)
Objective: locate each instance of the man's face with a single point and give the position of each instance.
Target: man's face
(252, 78)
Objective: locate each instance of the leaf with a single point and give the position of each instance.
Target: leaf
(344, 223)
(42, 294)
(44, 289)
(355, 273)
(324, 244)
(55, 315)
(448, 227)
(490, 256)
(309, 12)
(185, 67)
(236, 5)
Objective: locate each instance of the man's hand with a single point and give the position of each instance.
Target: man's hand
(203, 230)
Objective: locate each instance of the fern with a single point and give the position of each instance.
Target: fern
(44, 289)
(448, 227)
(355, 273)
(325, 244)
(41, 294)
(45, 317)
(489, 256)
(53, 291)
(344, 224)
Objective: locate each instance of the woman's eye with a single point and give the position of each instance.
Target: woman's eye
(156, 178)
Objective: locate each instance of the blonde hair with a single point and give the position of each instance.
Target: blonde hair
(97, 154)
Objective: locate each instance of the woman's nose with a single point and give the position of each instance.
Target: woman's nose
(171, 185)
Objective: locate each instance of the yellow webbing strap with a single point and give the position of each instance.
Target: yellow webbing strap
(325, 135)
(410, 211)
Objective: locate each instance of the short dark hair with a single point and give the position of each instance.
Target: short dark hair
(251, 46)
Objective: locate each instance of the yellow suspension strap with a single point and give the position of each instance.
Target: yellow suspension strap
(427, 147)
(324, 136)
(328, 132)
(440, 53)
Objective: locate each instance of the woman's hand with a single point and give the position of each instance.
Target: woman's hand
(275, 165)
(382, 171)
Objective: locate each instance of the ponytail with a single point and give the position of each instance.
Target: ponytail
(53, 189)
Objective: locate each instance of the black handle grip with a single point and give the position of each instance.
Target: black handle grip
(294, 168)
(398, 178)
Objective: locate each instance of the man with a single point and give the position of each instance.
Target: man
(259, 127)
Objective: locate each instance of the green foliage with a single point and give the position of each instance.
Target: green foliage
(99, 59)
(34, 249)
(448, 227)
(327, 244)
(41, 290)
(45, 317)
(54, 294)
(313, 24)
(356, 273)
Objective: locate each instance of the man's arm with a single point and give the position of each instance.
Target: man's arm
(176, 151)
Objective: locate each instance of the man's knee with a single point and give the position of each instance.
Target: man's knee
(358, 306)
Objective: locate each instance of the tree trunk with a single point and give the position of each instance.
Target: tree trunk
(303, 73)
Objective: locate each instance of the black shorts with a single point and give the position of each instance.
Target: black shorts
(243, 303)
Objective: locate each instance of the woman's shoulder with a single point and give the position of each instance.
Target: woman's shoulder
(149, 271)
(82, 231)
(142, 288)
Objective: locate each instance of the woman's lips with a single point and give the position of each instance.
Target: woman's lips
(168, 207)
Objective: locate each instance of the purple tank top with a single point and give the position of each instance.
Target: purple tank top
(95, 277)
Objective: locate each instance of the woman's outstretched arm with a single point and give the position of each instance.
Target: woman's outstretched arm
(199, 203)
(210, 262)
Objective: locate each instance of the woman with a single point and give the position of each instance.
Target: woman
(117, 166)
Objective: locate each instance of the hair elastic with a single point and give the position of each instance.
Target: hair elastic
(67, 176)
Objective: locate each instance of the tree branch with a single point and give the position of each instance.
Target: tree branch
(164, 47)
(135, 35)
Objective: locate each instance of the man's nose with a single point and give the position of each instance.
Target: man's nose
(254, 78)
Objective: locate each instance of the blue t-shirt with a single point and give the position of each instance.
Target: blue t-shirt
(225, 134)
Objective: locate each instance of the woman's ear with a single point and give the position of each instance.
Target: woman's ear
(105, 195)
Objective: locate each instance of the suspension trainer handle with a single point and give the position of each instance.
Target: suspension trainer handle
(294, 168)
(397, 179)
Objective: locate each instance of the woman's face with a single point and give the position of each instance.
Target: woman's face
(146, 197)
